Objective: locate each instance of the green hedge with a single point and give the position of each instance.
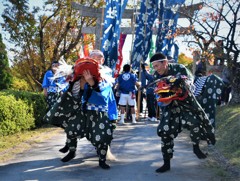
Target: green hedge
(20, 110)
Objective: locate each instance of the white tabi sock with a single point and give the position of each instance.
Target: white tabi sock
(122, 118)
(134, 118)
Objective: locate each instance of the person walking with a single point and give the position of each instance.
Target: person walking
(126, 87)
(52, 88)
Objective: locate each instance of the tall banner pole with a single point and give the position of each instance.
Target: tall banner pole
(139, 92)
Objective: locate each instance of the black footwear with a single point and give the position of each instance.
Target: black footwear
(165, 167)
(97, 151)
(69, 156)
(103, 165)
(64, 149)
(198, 152)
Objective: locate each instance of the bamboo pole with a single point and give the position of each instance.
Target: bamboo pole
(139, 93)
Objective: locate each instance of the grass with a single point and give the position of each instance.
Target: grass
(228, 133)
(225, 158)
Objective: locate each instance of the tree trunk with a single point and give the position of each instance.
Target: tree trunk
(236, 84)
(235, 95)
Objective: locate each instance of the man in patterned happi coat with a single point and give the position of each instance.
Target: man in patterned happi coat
(84, 112)
(184, 113)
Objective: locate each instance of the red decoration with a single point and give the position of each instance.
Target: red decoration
(86, 64)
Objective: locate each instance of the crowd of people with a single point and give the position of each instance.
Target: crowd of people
(87, 105)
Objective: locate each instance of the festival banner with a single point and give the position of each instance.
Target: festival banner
(160, 33)
(143, 33)
(111, 30)
(169, 17)
(120, 56)
(151, 53)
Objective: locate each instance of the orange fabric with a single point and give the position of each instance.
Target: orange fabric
(86, 45)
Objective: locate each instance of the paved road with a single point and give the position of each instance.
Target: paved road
(136, 147)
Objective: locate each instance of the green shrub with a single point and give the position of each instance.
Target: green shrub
(20, 84)
(34, 100)
(15, 115)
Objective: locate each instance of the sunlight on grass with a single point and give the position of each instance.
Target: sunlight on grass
(227, 131)
(228, 134)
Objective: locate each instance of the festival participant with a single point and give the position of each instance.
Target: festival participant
(100, 110)
(179, 114)
(52, 89)
(112, 105)
(151, 98)
(126, 86)
(98, 56)
(91, 120)
(112, 109)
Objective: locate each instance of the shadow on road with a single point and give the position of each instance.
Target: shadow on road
(136, 147)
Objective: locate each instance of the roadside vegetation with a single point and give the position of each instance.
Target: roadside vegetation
(225, 156)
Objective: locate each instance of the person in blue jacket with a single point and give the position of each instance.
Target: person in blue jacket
(92, 113)
(52, 89)
(151, 97)
(126, 86)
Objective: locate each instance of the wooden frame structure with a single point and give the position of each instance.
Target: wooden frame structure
(128, 14)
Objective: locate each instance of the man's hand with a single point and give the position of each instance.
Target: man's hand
(88, 77)
(117, 94)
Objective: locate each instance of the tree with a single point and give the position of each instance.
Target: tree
(5, 76)
(41, 38)
(207, 36)
(187, 61)
(232, 18)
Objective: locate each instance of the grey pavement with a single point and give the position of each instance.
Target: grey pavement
(138, 153)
